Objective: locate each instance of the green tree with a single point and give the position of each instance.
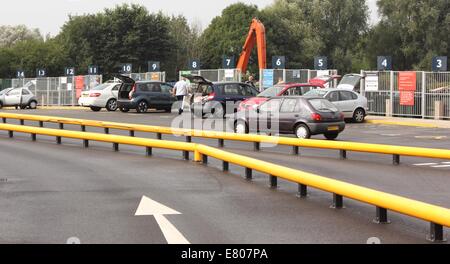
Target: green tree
(10, 35)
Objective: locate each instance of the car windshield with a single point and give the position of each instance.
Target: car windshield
(352, 80)
(316, 93)
(272, 91)
(101, 87)
(323, 105)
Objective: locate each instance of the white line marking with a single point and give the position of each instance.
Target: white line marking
(441, 166)
(426, 164)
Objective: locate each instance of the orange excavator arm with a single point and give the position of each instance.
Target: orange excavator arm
(256, 35)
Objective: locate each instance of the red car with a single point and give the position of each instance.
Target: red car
(289, 89)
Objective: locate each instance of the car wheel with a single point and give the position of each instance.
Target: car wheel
(240, 127)
(331, 136)
(33, 105)
(168, 110)
(124, 110)
(111, 105)
(302, 131)
(1, 105)
(142, 107)
(359, 115)
(95, 108)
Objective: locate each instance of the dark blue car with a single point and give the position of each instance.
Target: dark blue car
(216, 99)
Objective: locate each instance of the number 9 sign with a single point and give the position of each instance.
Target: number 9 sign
(154, 66)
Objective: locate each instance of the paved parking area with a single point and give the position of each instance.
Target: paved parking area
(51, 192)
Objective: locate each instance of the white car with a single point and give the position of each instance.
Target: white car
(102, 96)
(351, 104)
(19, 97)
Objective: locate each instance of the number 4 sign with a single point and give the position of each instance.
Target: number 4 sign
(384, 63)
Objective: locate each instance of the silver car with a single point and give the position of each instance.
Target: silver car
(351, 104)
(102, 96)
(18, 97)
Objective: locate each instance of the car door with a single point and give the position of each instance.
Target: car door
(155, 94)
(268, 113)
(115, 91)
(289, 113)
(231, 94)
(13, 97)
(167, 98)
(347, 103)
(26, 96)
(333, 97)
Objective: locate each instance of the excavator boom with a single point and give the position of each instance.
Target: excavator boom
(256, 35)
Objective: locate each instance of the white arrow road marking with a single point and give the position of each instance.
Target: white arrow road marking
(149, 207)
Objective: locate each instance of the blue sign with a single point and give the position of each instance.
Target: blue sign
(384, 63)
(320, 63)
(440, 63)
(267, 78)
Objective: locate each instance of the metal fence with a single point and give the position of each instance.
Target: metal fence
(431, 96)
(58, 91)
(216, 75)
(291, 76)
(148, 76)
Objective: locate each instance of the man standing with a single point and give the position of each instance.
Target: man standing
(181, 91)
(251, 81)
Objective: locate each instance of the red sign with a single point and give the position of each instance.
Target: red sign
(407, 98)
(79, 85)
(407, 83)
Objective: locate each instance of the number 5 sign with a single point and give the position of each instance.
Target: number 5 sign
(278, 62)
(320, 63)
(440, 63)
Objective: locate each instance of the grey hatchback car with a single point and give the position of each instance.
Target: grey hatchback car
(301, 116)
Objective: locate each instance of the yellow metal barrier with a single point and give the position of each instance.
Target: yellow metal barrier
(343, 146)
(437, 216)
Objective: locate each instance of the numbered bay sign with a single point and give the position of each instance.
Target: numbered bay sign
(440, 63)
(93, 70)
(154, 66)
(126, 68)
(69, 71)
(229, 62)
(20, 74)
(278, 62)
(194, 64)
(320, 63)
(40, 73)
(384, 63)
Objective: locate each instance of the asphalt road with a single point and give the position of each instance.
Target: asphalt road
(51, 192)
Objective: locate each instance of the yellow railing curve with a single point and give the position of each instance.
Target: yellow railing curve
(437, 216)
(342, 146)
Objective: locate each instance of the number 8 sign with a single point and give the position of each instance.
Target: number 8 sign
(194, 64)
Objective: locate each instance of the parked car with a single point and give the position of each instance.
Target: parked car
(351, 82)
(143, 95)
(102, 96)
(212, 98)
(298, 115)
(278, 90)
(352, 105)
(18, 97)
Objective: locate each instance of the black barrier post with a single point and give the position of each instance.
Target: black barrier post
(257, 146)
(295, 150)
(149, 151)
(86, 143)
(58, 140)
(248, 174)
(343, 154)
(106, 130)
(83, 128)
(338, 201)
(186, 153)
(204, 159)
(302, 191)
(4, 120)
(396, 159)
(33, 137)
(131, 133)
(11, 134)
(221, 143)
(22, 122)
(61, 126)
(41, 123)
(436, 233)
(381, 217)
(116, 147)
(225, 166)
(273, 182)
(159, 136)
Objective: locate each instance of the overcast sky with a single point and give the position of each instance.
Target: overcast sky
(49, 15)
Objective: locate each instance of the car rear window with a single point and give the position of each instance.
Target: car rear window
(101, 87)
(317, 92)
(322, 105)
